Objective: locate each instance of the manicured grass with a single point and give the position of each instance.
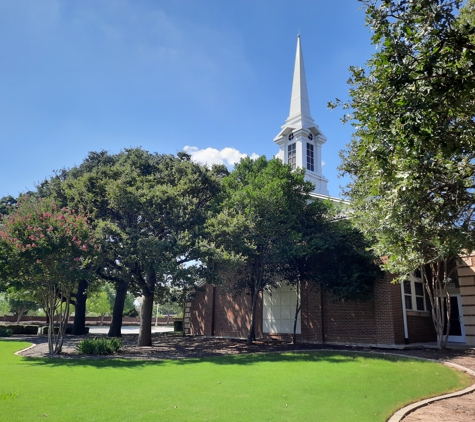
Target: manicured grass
(273, 387)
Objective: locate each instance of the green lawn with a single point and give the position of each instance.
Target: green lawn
(273, 387)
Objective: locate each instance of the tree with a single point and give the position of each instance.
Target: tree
(54, 189)
(334, 256)
(46, 250)
(411, 159)
(4, 307)
(20, 302)
(99, 303)
(149, 211)
(258, 227)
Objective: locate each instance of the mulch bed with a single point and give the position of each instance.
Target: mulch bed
(172, 346)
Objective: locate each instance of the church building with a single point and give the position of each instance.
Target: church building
(396, 314)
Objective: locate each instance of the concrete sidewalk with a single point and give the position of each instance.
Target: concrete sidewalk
(128, 329)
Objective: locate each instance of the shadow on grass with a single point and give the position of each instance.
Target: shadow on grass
(116, 362)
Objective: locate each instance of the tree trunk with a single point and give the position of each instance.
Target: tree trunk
(251, 336)
(20, 314)
(146, 311)
(79, 325)
(436, 287)
(116, 323)
(298, 306)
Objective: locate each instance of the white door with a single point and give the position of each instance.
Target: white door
(457, 327)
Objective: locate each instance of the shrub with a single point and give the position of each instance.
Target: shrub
(5, 332)
(21, 329)
(177, 325)
(30, 329)
(99, 346)
(69, 329)
(16, 329)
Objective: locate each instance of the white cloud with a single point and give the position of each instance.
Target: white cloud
(228, 156)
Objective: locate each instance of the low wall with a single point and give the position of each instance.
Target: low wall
(89, 320)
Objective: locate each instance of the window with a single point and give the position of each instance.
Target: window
(292, 156)
(414, 296)
(310, 158)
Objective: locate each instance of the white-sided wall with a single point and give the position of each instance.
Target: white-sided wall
(279, 310)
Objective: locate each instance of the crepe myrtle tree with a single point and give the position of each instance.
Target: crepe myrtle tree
(412, 157)
(47, 250)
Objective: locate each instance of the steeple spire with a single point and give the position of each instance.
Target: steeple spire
(299, 104)
(300, 140)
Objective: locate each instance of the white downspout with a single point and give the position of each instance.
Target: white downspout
(404, 316)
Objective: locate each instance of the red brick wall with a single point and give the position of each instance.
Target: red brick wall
(388, 312)
(420, 328)
(201, 311)
(311, 314)
(233, 315)
(376, 321)
(347, 321)
(215, 313)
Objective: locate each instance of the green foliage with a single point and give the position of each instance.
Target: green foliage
(20, 302)
(5, 332)
(47, 250)
(56, 329)
(21, 328)
(131, 312)
(412, 158)
(99, 346)
(98, 303)
(4, 307)
(148, 211)
(258, 230)
(337, 257)
(257, 226)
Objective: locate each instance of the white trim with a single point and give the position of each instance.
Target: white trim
(462, 338)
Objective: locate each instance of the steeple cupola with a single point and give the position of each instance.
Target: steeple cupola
(300, 140)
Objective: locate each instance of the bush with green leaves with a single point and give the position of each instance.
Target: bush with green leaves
(20, 328)
(5, 332)
(99, 346)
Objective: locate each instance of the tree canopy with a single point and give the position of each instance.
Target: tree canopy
(411, 159)
(259, 230)
(149, 212)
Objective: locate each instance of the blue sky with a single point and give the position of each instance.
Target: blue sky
(90, 75)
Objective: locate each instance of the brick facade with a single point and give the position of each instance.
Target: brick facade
(324, 319)
(213, 312)
(466, 277)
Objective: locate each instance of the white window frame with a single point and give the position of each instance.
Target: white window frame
(412, 281)
(292, 155)
(310, 157)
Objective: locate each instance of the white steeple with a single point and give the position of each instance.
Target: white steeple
(300, 140)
